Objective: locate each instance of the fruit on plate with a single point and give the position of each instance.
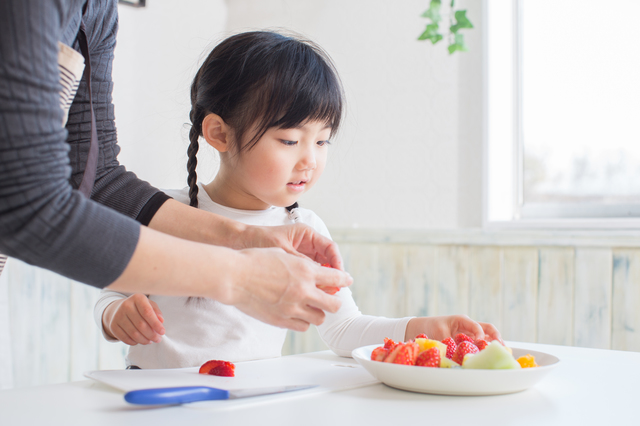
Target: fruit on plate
(527, 361)
(460, 337)
(429, 358)
(425, 352)
(389, 343)
(326, 288)
(379, 354)
(464, 348)
(451, 346)
(426, 344)
(218, 368)
(403, 353)
(481, 344)
(494, 357)
(448, 363)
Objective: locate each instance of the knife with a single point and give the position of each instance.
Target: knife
(181, 395)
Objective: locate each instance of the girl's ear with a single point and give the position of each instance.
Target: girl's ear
(216, 132)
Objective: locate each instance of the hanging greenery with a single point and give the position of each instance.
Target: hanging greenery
(458, 20)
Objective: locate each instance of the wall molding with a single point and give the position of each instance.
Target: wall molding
(482, 237)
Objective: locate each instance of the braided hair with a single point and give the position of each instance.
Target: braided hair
(258, 80)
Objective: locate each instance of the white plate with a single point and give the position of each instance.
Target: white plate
(457, 381)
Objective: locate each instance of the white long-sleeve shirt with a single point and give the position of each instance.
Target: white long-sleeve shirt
(199, 329)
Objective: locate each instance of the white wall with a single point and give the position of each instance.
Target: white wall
(159, 50)
(409, 154)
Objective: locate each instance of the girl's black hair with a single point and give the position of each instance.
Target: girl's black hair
(258, 80)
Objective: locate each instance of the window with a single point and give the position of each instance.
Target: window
(563, 91)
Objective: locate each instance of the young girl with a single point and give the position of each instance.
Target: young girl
(269, 104)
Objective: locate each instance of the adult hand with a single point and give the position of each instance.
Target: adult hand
(134, 320)
(280, 289)
(297, 239)
(441, 327)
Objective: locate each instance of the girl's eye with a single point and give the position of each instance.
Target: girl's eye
(289, 143)
(322, 143)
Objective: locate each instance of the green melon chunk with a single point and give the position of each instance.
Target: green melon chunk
(493, 357)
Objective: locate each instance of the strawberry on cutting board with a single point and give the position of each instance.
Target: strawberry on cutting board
(218, 368)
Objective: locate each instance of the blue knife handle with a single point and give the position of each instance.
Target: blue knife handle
(175, 395)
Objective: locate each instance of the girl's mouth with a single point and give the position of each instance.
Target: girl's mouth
(297, 185)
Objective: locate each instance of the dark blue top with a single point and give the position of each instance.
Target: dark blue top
(44, 220)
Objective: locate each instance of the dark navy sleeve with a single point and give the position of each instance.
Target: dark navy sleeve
(44, 220)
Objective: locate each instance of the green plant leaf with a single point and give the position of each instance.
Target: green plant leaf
(461, 21)
(458, 45)
(433, 12)
(431, 33)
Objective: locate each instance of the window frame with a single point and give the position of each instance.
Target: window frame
(503, 198)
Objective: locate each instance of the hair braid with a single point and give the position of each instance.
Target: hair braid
(192, 162)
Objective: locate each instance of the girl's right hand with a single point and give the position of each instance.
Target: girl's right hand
(134, 320)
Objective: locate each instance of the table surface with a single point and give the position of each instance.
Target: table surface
(589, 386)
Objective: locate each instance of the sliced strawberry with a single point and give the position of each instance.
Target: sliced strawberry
(388, 343)
(421, 336)
(379, 353)
(463, 349)
(429, 358)
(218, 368)
(481, 344)
(403, 353)
(451, 347)
(462, 338)
(329, 289)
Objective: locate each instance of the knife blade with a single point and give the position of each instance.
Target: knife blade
(182, 395)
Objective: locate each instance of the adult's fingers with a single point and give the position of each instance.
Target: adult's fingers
(307, 241)
(330, 277)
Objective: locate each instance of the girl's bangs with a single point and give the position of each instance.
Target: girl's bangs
(301, 85)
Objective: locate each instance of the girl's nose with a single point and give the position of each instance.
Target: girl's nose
(308, 160)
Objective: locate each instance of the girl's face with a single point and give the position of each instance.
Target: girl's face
(282, 165)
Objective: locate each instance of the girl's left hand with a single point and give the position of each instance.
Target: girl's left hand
(439, 328)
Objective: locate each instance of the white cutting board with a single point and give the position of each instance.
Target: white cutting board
(328, 371)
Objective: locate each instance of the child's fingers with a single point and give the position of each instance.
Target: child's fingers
(157, 310)
(120, 334)
(491, 332)
(138, 328)
(149, 321)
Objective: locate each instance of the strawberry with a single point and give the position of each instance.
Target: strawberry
(481, 344)
(463, 349)
(218, 368)
(327, 288)
(429, 358)
(451, 347)
(388, 343)
(379, 353)
(421, 336)
(403, 353)
(462, 338)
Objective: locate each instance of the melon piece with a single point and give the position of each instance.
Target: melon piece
(493, 357)
(429, 343)
(448, 363)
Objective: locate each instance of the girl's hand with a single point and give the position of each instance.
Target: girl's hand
(439, 328)
(297, 239)
(134, 320)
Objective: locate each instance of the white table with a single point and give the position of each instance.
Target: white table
(589, 387)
